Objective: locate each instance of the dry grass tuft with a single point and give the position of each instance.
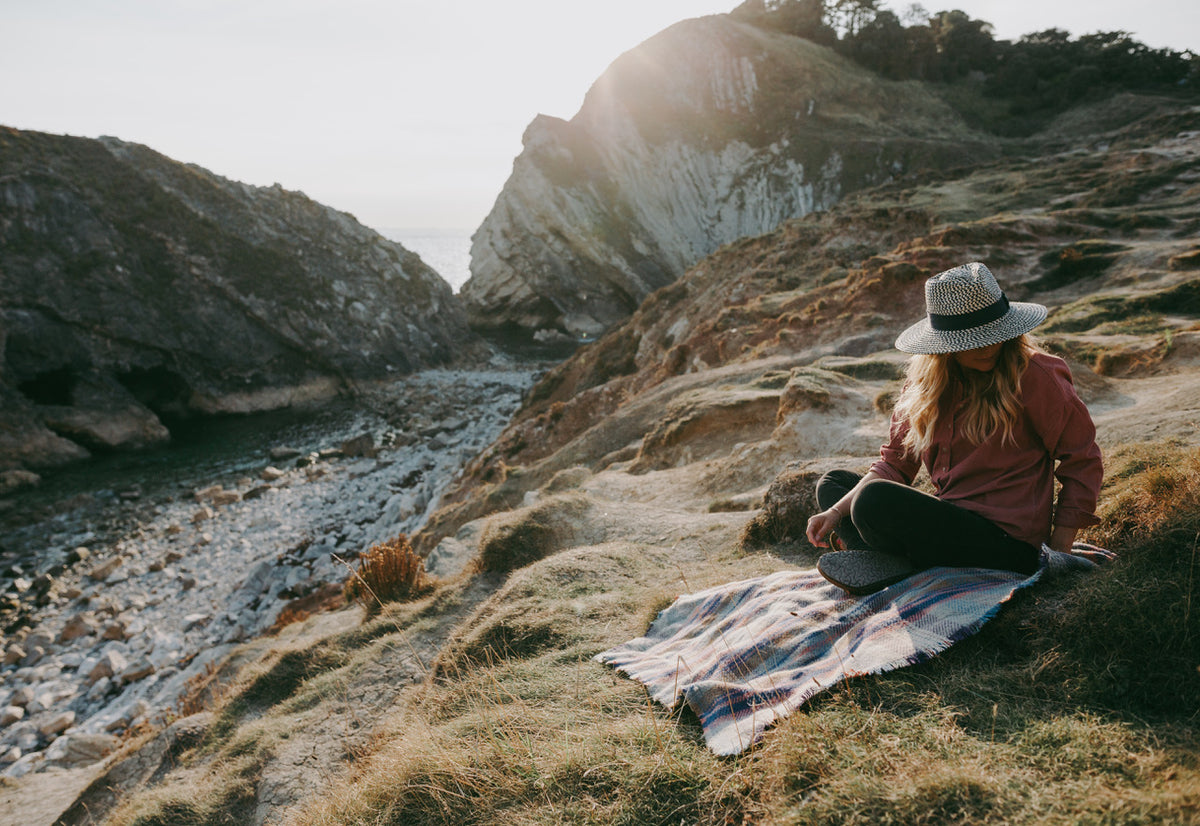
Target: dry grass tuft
(390, 572)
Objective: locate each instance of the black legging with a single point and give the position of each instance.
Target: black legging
(888, 516)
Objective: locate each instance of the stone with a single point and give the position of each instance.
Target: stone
(15, 480)
(280, 454)
(20, 585)
(174, 529)
(206, 494)
(14, 654)
(79, 554)
(203, 514)
(25, 736)
(106, 568)
(27, 763)
(80, 625)
(99, 689)
(272, 474)
(22, 696)
(195, 621)
(110, 664)
(33, 656)
(256, 580)
(115, 630)
(226, 497)
(138, 670)
(10, 756)
(10, 715)
(57, 723)
(83, 749)
(256, 492)
(361, 445)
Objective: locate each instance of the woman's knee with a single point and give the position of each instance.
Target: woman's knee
(878, 512)
(833, 485)
(877, 496)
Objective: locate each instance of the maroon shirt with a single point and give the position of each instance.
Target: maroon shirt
(1013, 484)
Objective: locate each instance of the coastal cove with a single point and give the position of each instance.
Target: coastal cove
(134, 573)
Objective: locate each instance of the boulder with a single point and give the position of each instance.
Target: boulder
(83, 749)
(10, 715)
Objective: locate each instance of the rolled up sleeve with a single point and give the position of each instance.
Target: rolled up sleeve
(894, 463)
(1065, 427)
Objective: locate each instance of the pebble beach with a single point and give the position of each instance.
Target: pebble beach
(127, 601)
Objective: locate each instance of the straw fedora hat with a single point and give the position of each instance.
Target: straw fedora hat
(967, 309)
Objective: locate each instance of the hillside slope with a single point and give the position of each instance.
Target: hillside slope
(135, 287)
(710, 131)
(679, 452)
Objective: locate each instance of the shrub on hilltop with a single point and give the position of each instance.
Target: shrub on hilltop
(1030, 80)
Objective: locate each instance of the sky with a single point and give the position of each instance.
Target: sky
(403, 113)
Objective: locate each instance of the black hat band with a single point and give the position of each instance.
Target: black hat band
(965, 321)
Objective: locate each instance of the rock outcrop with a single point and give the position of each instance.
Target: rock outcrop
(708, 132)
(134, 287)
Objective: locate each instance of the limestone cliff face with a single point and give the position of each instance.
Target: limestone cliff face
(133, 286)
(709, 132)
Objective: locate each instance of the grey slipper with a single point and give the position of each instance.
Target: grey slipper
(864, 572)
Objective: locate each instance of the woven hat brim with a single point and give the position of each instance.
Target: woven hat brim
(922, 339)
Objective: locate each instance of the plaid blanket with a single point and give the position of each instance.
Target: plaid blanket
(746, 654)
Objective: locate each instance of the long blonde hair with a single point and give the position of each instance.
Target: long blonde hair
(992, 399)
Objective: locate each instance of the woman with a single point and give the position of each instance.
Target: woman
(994, 419)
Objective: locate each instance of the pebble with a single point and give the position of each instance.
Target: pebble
(163, 603)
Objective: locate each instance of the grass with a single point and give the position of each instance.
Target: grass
(1077, 704)
(1006, 727)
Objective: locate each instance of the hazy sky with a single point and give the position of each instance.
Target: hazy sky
(403, 113)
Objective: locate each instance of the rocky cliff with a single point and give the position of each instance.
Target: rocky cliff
(708, 132)
(133, 287)
(679, 452)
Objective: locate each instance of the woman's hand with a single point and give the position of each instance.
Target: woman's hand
(819, 526)
(1061, 538)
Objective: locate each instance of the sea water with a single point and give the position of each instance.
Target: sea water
(447, 251)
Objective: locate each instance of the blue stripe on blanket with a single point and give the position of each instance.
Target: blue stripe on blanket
(746, 654)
